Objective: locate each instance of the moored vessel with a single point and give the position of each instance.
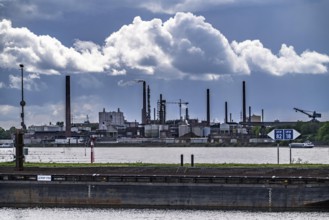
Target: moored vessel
(306, 144)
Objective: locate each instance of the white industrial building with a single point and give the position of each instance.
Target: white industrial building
(108, 120)
(45, 128)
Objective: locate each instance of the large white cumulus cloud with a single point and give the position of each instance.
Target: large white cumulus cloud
(287, 60)
(43, 53)
(183, 46)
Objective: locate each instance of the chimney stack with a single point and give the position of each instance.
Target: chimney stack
(148, 105)
(144, 104)
(226, 119)
(244, 102)
(68, 108)
(208, 107)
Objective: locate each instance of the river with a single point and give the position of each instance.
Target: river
(256, 155)
(150, 214)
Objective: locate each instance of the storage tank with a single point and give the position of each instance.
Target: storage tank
(206, 131)
(151, 130)
(182, 130)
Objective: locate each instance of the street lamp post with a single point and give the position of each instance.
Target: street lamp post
(19, 138)
(22, 103)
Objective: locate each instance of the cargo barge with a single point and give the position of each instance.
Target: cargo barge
(166, 188)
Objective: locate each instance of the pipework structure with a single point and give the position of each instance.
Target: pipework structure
(144, 110)
(162, 110)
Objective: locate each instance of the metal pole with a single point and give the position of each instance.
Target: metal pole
(19, 143)
(19, 137)
(290, 153)
(181, 160)
(192, 160)
(22, 103)
(278, 153)
(92, 159)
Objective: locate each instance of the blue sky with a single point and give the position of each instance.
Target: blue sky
(180, 48)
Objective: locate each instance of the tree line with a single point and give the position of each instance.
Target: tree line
(310, 131)
(7, 134)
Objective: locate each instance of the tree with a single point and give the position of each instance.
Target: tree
(308, 130)
(323, 133)
(12, 130)
(4, 134)
(256, 130)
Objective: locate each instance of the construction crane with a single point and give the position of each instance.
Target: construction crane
(310, 114)
(180, 103)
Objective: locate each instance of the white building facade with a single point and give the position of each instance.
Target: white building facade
(108, 119)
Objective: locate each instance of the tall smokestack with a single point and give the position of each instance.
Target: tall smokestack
(244, 102)
(262, 115)
(186, 114)
(208, 107)
(160, 113)
(226, 119)
(68, 107)
(144, 104)
(148, 104)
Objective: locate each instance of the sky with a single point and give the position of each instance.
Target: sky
(180, 48)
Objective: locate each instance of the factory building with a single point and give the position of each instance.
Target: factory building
(107, 119)
(111, 123)
(255, 118)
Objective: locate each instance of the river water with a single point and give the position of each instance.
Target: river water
(150, 214)
(256, 155)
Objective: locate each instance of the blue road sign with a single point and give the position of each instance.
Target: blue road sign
(283, 134)
(278, 134)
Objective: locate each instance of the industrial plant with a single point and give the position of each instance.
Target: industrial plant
(112, 127)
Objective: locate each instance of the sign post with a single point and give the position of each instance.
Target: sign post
(92, 144)
(283, 135)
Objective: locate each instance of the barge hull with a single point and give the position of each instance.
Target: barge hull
(175, 195)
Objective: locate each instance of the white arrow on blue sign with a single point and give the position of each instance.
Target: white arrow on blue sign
(283, 134)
